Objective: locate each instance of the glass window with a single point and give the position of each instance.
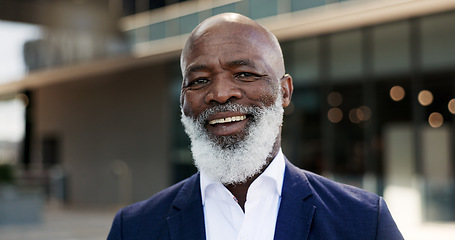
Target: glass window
(142, 34)
(287, 48)
(128, 7)
(297, 5)
(157, 31)
(131, 36)
(242, 7)
(391, 48)
(181, 158)
(301, 140)
(437, 134)
(438, 38)
(205, 14)
(226, 8)
(346, 55)
(305, 65)
(172, 27)
(153, 4)
(263, 8)
(188, 23)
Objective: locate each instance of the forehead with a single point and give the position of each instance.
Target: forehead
(231, 44)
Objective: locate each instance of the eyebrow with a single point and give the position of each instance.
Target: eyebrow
(241, 62)
(196, 68)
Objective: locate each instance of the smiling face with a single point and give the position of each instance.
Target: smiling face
(233, 93)
(230, 59)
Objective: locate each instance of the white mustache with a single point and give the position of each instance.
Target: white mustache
(228, 107)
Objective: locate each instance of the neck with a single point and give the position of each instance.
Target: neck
(240, 190)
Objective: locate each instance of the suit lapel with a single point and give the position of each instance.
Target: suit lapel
(186, 219)
(295, 215)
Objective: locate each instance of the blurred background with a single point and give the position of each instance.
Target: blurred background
(89, 109)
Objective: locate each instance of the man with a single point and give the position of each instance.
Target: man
(233, 92)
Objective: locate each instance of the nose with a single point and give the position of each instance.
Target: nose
(222, 90)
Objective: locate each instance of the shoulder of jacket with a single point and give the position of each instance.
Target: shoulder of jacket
(328, 188)
(160, 201)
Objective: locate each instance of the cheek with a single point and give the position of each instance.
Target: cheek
(268, 100)
(266, 95)
(191, 104)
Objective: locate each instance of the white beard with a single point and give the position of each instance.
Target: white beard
(234, 159)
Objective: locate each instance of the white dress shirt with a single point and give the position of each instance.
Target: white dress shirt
(225, 219)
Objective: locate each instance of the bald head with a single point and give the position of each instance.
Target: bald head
(236, 27)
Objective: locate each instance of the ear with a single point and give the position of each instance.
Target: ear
(287, 88)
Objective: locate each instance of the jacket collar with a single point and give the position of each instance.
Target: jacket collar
(295, 214)
(186, 218)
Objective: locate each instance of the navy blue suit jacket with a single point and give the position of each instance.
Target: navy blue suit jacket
(312, 207)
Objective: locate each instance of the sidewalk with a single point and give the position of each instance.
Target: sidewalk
(426, 231)
(77, 224)
(63, 224)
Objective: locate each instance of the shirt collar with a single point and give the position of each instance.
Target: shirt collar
(274, 171)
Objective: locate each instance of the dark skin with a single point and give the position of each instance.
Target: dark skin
(230, 58)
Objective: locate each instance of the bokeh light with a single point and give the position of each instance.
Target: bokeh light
(451, 106)
(397, 93)
(335, 99)
(425, 97)
(363, 113)
(435, 120)
(335, 115)
(353, 116)
(360, 114)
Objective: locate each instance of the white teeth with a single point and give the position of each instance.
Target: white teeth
(228, 119)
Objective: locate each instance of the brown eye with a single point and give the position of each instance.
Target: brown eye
(198, 82)
(246, 76)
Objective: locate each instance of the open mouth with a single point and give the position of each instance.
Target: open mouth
(228, 123)
(227, 120)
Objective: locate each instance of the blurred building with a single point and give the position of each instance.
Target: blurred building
(373, 105)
